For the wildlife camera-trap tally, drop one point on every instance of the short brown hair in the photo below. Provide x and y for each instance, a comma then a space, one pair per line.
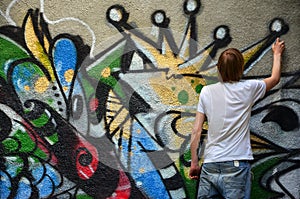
231, 65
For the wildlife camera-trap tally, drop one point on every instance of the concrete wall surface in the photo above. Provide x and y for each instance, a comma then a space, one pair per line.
98, 98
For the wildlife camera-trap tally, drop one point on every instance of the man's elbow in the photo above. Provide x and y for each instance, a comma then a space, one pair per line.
276, 80
272, 82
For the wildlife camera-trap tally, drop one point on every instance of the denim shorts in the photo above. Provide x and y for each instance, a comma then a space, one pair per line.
230, 180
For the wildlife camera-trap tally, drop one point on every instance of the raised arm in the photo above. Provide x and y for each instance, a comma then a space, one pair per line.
278, 48
195, 139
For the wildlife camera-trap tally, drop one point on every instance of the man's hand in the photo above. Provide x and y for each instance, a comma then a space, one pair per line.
195, 172
278, 47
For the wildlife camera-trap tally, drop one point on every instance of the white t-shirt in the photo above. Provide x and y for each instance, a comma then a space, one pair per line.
227, 107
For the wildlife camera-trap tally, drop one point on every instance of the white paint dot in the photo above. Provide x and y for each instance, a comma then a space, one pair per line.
139, 183
277, 26
191, 5
159, 18
115, 15
220, 34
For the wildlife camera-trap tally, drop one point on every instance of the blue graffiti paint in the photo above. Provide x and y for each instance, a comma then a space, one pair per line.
141, 168
46, 177
4, 185
64, 59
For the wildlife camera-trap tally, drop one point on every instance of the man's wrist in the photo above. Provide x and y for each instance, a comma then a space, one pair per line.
194, 164
277, 54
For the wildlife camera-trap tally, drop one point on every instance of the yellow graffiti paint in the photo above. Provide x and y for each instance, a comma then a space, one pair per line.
251, 52
37, 49
257, 143
121, 119
167, 96
142, 170
65, 88
69, 74
106, 72
26, 88
138, 131
41, 85
168, 90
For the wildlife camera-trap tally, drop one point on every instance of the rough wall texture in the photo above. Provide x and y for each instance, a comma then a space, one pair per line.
97, 98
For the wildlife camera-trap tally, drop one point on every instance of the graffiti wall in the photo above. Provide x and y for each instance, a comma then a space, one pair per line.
98, 98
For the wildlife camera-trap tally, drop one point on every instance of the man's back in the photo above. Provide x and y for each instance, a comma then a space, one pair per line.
228, 108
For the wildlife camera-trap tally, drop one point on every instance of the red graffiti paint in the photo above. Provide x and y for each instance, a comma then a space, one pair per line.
93, 104
124, 188
86, 159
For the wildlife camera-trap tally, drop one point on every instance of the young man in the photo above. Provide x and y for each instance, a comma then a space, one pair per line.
227, 106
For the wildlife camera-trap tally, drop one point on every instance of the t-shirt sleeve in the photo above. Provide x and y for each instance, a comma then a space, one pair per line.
259, 89
200, 107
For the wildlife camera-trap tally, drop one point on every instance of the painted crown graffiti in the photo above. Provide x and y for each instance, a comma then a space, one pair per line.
114, 124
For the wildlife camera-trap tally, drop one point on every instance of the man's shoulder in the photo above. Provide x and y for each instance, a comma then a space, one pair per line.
217, 84
211, 89
252, 82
